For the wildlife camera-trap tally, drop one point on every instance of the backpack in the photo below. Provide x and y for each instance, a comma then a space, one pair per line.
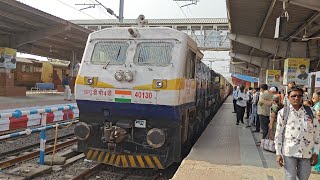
286, 113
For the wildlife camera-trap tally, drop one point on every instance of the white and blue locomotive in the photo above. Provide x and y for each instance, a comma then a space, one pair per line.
143, 94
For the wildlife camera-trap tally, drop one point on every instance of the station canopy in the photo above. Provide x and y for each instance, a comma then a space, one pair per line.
32, 31
252, 24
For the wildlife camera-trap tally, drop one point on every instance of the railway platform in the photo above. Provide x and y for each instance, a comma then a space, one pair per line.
226, 151
33, 100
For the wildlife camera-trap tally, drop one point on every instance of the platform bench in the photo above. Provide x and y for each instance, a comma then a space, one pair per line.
47, 87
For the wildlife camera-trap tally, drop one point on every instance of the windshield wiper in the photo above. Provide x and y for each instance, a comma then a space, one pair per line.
106, 65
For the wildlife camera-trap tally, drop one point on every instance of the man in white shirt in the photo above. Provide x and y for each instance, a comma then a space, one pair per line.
234, 94
242, 98
296, 134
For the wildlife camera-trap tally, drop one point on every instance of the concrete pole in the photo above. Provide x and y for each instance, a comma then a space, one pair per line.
121, 7
262, 76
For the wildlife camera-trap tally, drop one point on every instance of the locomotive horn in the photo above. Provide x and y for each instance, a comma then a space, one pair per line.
141, 17
141, 20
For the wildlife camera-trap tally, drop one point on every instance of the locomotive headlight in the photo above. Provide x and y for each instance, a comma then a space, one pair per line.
159, 83
156, 138
89, 81
118, 75
128, 76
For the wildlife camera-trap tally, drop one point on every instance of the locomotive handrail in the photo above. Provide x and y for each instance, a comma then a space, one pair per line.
18, 113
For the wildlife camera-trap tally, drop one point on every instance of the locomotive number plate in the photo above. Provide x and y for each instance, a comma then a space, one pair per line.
145, 97
140, 124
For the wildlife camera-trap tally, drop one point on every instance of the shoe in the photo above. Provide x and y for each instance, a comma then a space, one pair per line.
255, 131
248, 126
237, 123
242, 122
233, 112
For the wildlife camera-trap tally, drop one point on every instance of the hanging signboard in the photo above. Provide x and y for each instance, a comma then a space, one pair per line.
8, 58
273, 78
296, 69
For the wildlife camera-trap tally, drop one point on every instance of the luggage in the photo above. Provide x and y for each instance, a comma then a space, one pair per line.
268, 142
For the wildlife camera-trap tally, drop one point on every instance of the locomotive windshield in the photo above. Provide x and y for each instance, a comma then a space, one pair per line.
153, 53
109, 53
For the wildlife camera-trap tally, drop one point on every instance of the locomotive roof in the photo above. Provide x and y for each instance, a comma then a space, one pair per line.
145, 33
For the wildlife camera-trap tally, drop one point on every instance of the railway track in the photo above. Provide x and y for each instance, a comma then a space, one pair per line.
103, 171
12, 160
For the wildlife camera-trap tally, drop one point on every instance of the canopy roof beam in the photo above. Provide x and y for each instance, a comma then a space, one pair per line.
266, 19
33, 36
310, 4
255, 60
283, 49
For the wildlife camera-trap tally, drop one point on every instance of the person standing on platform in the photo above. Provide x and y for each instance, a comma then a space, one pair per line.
249, 103
305, 93
234, 94
296, 134
242, 98
264, 105
316, 101
254, 115
275, 107
285, 98
67, 90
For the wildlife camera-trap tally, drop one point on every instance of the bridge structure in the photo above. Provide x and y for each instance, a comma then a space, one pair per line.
209, 33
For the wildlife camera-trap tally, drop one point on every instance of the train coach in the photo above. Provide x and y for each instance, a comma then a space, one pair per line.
28, 72
143, 95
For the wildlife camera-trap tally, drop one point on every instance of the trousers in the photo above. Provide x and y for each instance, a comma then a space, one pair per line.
240, 113
296, 167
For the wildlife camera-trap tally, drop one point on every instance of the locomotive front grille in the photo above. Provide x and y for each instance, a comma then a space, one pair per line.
124, 160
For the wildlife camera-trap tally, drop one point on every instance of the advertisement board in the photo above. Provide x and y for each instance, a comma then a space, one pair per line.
8, 58
296, 69
273, 78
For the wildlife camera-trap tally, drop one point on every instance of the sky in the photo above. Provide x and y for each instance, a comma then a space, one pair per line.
152, 9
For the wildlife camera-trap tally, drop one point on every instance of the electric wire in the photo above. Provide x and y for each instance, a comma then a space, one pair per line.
78, 10
189, 9
187, 19
101, 9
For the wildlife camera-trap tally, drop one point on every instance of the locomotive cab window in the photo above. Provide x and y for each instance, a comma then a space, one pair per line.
114, 53
190, 65
154, 53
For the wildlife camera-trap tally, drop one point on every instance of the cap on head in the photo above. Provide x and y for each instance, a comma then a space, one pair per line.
273, 89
